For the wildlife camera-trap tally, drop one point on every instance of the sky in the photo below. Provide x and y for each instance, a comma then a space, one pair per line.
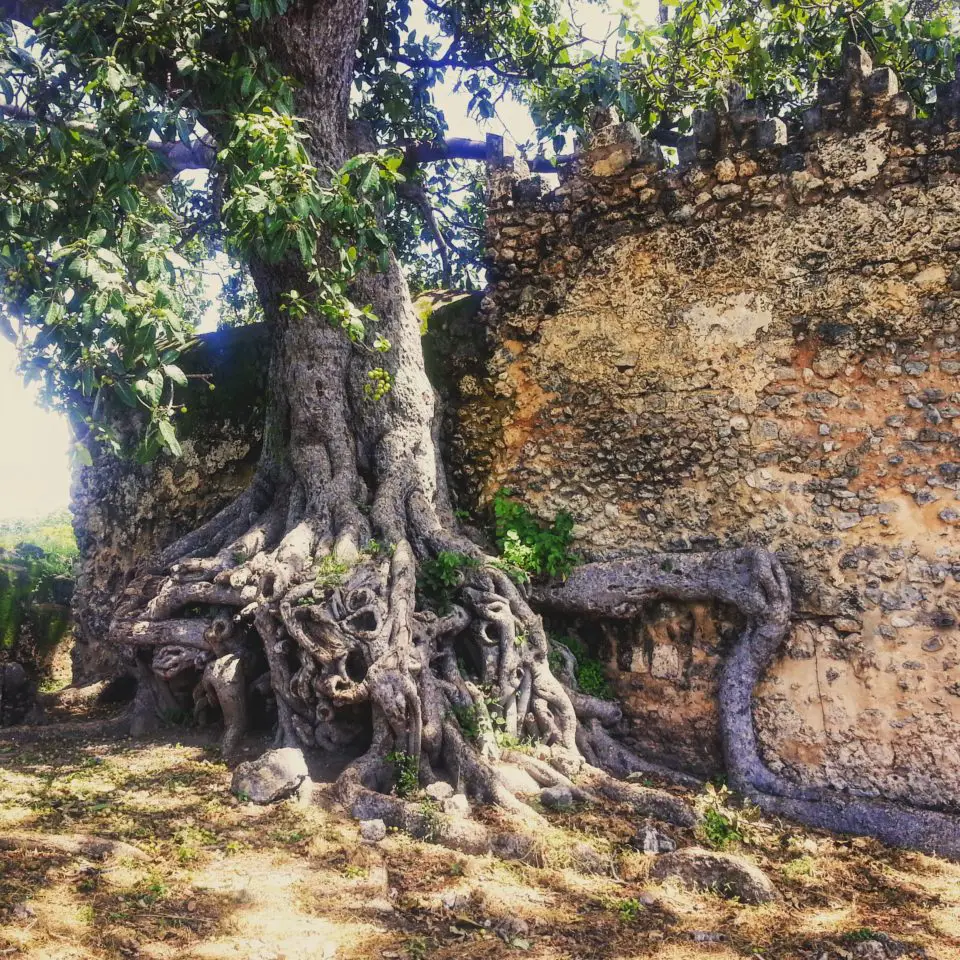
34, 442
34, 466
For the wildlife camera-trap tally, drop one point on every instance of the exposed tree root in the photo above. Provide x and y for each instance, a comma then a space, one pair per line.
67, 730
76, 845
332, 636
753, 582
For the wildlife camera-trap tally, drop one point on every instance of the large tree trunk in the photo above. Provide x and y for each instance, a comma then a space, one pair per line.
306, 585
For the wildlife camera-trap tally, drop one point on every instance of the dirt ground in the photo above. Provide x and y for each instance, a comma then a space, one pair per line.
225, 879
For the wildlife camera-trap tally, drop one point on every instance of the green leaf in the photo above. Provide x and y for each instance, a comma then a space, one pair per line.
126, 199
81, 455
371, 179
125, 393
175, 374
168, 437
150, 387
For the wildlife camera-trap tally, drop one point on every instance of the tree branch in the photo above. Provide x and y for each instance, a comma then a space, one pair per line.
177, 156
413, 191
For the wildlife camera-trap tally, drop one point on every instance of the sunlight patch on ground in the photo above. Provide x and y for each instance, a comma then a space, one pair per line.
225, 879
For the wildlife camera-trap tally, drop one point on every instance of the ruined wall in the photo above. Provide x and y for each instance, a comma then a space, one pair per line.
124, 512
756, 346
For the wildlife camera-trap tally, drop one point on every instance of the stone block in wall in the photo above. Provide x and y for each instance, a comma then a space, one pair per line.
615, 147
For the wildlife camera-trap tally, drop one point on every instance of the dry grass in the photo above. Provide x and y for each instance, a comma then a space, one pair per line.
230, 880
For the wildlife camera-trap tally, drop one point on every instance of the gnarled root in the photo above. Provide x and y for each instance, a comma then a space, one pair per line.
464, 693
452, 694
752, 581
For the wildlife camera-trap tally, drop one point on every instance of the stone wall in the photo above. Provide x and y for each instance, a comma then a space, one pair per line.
758, 345
124, 512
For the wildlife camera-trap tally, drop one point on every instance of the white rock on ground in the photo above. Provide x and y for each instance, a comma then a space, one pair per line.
274, 776
372, 831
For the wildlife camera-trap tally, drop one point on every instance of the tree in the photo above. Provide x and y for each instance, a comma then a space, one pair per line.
341, 575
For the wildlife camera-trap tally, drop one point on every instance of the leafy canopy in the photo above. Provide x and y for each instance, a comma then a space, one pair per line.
102, 249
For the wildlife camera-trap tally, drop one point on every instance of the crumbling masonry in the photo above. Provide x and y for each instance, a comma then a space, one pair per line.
758, 346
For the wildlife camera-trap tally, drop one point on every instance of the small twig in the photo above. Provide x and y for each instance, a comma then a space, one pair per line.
183, 918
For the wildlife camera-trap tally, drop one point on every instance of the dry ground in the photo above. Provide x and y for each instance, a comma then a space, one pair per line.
223, 879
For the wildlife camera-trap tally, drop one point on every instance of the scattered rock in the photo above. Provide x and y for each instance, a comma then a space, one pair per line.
439, 790
722, 873
649, 839
372, 831
21, 911
870, 950
455, 900
457, 806
556, 798
274, 776
510, 929
706, 936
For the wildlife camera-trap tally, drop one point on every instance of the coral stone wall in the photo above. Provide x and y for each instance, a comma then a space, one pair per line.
124, 512
759, 345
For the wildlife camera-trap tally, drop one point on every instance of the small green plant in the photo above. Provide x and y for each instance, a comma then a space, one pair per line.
353, 872
457, 868
417, 948
375, 549
723, 824
433, 819
590, 674
528, 545
331, 572
406, 773
860, 935
592, 679
507, 741
629, 910
439, 578
468, 720
718, 830
804, 866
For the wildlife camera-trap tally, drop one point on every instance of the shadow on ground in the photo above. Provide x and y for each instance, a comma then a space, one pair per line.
224, 879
